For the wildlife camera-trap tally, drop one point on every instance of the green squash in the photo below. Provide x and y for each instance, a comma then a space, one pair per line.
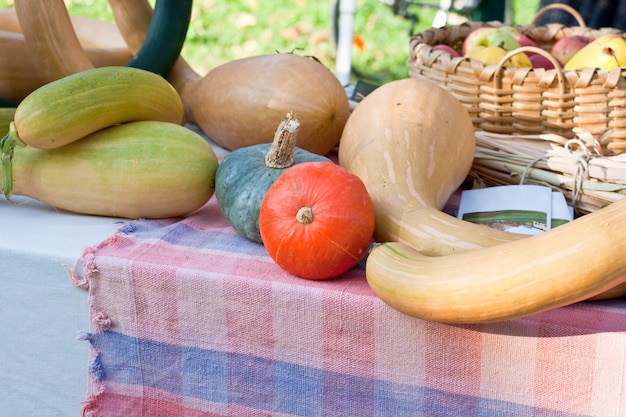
244, 176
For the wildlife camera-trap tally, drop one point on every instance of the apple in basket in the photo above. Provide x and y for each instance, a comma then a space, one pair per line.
489, 55
522, 39
446, 48
540, 61
566, 47
489, 36
606, 52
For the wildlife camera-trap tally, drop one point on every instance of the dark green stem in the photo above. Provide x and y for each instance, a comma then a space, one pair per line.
7, 145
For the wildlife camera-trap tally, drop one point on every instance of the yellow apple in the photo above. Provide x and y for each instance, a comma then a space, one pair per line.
488, 36
606, 52
493, 54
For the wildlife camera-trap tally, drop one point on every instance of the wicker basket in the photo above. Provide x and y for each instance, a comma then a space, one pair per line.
526, 101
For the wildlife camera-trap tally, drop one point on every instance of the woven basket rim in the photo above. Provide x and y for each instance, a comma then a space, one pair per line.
421, 44
509, 100
552, 30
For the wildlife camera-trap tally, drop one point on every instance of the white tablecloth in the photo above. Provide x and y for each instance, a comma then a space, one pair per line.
43, 367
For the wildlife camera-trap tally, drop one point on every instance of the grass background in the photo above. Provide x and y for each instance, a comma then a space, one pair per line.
223, 30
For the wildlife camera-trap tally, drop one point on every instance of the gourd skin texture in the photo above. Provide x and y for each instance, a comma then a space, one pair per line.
236, 103
144, 169
411, 157
412, 143
241, 182
570, 263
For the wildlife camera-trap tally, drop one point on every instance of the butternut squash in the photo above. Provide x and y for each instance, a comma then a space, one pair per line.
236, 113
570, 263
133, 18
49, 33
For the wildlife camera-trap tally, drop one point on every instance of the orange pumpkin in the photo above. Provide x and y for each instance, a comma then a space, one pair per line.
317, 220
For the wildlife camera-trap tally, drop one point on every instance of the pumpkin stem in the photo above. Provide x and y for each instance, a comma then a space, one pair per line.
305, 215
282, 153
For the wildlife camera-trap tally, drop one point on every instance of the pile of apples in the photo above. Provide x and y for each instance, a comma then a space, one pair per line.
575, 52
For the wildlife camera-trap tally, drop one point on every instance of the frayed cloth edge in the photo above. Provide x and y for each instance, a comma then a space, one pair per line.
84, 268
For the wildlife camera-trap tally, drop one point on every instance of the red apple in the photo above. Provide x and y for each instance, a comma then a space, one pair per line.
540, 61
446, 48
490, 55
566, 47
522, 39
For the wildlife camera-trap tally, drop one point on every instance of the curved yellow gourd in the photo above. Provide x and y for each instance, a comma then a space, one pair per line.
412, 144
68, 109
570, 263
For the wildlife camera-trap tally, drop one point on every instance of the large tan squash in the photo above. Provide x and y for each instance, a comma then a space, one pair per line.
412, 144
237, 104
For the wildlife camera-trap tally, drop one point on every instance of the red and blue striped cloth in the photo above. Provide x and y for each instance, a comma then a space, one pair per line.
190, 319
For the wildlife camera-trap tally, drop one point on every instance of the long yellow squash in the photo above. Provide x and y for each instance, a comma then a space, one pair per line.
412, 143
565, 265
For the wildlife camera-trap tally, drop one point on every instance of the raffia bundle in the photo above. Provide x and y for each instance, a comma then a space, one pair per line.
575, 166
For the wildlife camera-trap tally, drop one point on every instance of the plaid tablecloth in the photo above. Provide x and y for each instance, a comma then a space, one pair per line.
189, 319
